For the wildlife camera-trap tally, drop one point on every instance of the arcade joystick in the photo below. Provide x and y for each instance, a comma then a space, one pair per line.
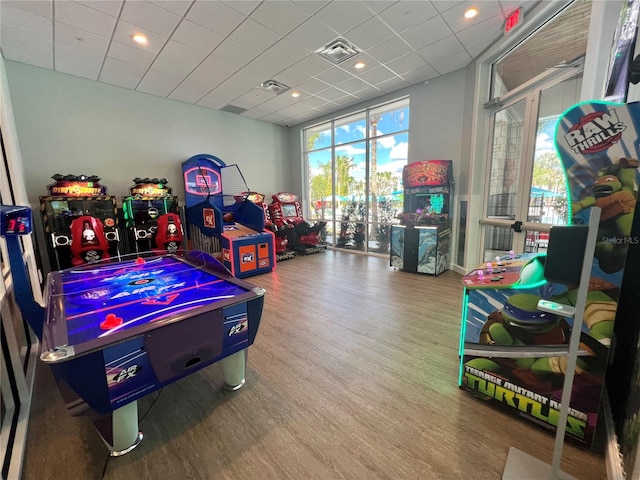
111, 321
140, 261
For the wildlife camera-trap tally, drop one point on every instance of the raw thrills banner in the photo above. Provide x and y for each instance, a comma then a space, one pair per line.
509, 358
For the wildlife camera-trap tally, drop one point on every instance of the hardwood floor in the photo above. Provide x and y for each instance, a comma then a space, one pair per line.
353, 375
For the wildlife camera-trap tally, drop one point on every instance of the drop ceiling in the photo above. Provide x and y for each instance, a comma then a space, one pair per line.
216, 54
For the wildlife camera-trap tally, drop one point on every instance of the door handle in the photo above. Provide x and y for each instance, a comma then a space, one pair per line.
516, 226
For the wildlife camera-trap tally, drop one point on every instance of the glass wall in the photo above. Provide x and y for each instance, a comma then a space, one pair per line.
354, 170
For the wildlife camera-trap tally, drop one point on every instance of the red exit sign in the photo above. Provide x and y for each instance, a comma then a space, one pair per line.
513, 20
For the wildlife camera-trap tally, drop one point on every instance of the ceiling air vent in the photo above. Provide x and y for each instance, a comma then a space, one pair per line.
233, 109
274, 87
338, 51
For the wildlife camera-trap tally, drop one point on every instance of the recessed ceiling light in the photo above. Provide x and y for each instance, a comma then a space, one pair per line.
360, 65
472, 12
295, 94
140, 38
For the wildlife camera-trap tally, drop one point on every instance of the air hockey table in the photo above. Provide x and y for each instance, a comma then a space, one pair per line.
117, 331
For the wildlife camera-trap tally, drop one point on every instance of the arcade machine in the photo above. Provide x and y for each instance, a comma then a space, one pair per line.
282, 242
504, 335
111, 338
149, 201
422, 242
217, 204
74, 197
286, 214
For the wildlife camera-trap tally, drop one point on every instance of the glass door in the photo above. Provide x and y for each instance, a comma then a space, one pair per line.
526, 182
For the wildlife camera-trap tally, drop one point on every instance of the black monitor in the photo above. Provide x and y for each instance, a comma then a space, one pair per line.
565, 254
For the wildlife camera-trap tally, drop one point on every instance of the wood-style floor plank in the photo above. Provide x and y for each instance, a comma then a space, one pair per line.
353, 375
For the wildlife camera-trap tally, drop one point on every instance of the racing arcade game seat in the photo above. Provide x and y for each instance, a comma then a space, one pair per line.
286, 214
283, 252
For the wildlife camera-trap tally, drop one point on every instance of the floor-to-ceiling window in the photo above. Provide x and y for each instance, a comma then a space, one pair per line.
354, 175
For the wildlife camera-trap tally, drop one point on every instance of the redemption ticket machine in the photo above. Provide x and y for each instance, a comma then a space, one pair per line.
422, 242
79, 198
149, 204
217, 204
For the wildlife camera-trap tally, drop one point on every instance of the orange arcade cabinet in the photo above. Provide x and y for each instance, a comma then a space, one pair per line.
283, 252
217, 204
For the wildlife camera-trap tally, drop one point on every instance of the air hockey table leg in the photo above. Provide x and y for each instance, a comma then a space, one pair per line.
119, 430
233, 368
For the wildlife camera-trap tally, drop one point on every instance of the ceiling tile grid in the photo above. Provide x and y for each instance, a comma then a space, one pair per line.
216, 54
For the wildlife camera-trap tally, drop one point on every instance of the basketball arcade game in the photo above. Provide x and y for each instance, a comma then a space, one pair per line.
217, 204
93, 236
151, 216
422, 243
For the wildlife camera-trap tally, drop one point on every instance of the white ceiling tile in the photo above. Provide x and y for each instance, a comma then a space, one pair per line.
263, 68
231, 89
368, 93
44, 8
312, 101
243, 6
292, 76
396, 83
253, 98
195, 36
125, 31
79, 66
486, 9
130, 54
426, 33
281, 17
312, 35
406, 63
311, 6
343, 16
123, 74
252, 114
353, 85
158, 83
255, 36
378, 6
377, 75
451, 63
177, 59
369, 34
313, 65
314, 86
37, 55
332, 94
72, 44
110, 7
234, 53
476, 50
85, 18
404, 15
179, 7
389, 50
25, 21
334, 75
286, 51
12, 38
212, 102
215, 16
444, 5
150, 17
489, 30
441, 49
191, 90
420, 75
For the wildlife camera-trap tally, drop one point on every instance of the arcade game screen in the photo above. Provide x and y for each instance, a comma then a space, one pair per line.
60, 213
289, 210
146, 211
